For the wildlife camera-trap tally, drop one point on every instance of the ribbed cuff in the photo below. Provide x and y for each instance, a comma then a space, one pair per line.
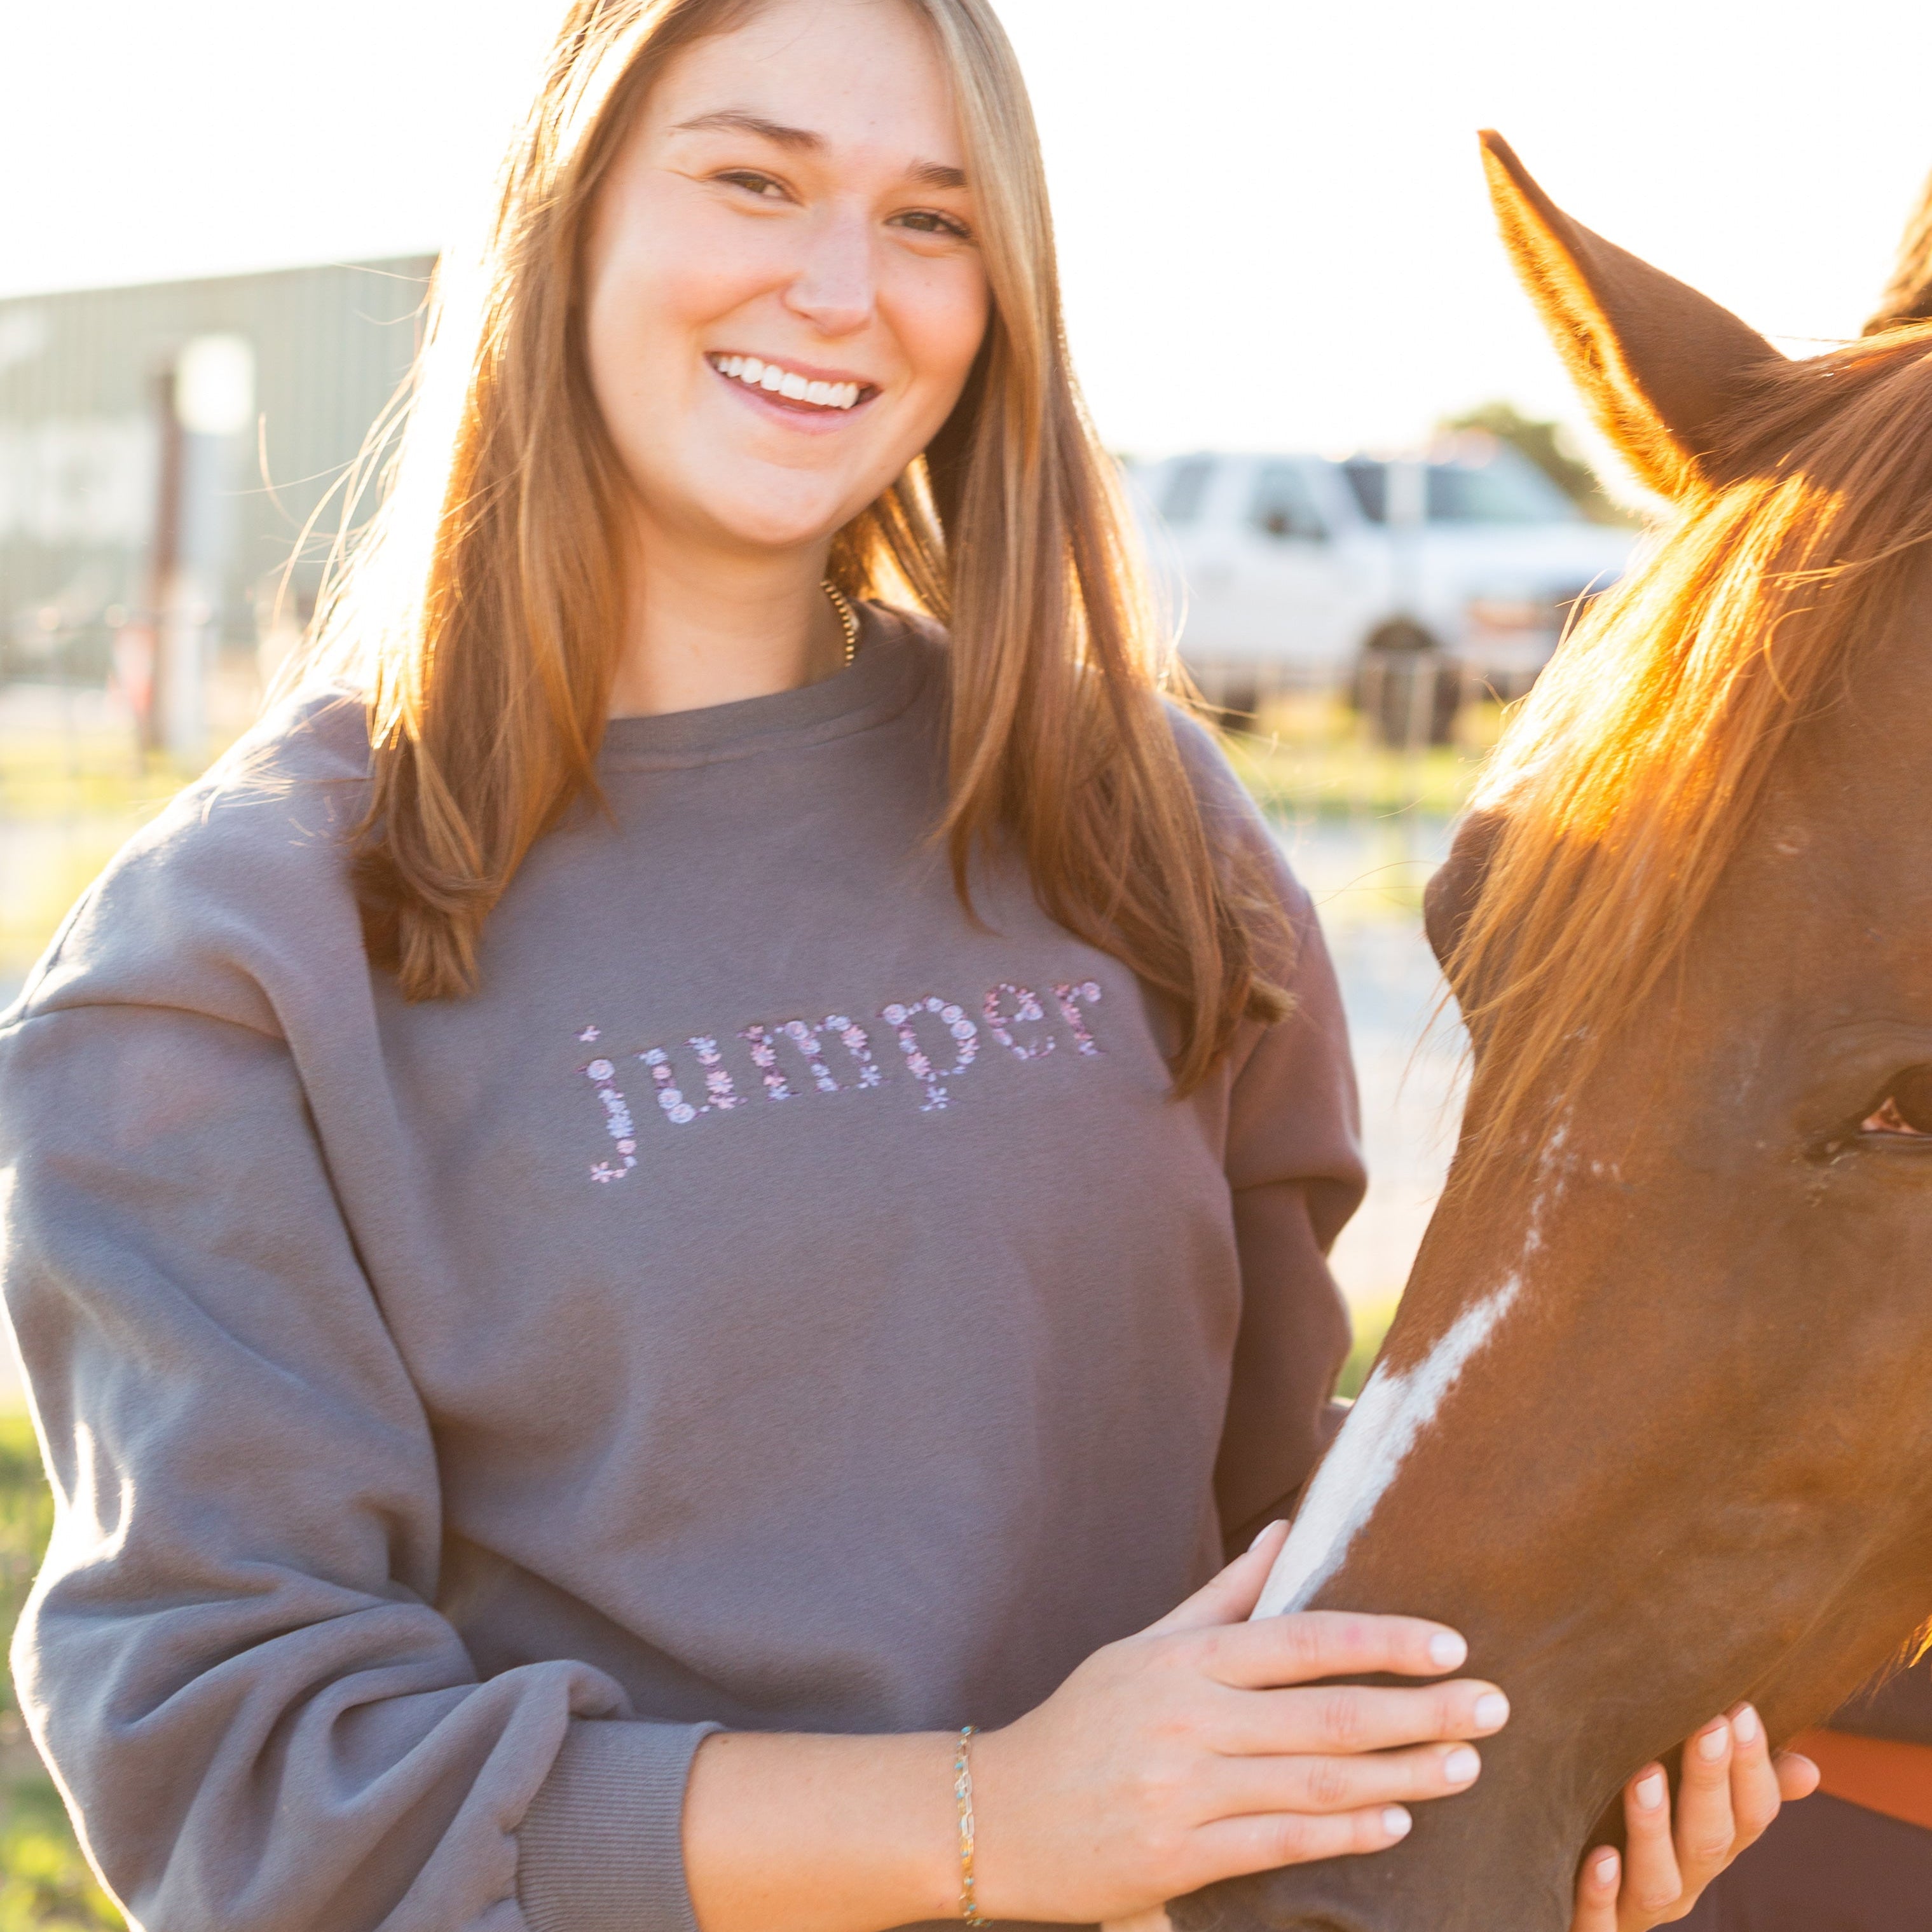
602, 1847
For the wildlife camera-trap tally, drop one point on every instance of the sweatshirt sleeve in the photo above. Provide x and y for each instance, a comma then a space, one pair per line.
232, 1657
1294, 1173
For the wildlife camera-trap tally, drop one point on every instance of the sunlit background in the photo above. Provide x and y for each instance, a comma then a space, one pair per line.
1275, 238
1271, 216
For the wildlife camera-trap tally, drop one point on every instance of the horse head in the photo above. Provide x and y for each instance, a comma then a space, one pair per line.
1654, 1425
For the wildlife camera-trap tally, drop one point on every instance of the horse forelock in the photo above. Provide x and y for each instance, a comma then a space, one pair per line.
1624, 785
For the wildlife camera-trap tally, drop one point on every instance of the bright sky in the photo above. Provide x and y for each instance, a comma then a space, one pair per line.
1272, 218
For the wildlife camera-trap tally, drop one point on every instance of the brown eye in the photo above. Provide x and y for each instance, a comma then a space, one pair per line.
763, 186
930, 221
1905, 1112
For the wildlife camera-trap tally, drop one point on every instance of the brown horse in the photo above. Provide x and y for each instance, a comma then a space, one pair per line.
1654, 1425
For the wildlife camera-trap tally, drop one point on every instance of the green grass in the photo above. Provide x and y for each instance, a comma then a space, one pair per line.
68, 803
26, 1521
1311, 756
45, 1884
46, 881
1372, 1321
43, 776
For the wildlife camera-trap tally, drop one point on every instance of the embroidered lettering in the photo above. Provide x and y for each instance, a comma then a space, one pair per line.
1026, 1011
676, 1107
1068, 997
805, 1039
1007, 1009
965, 1035
764, 1056
853, 1040
717, 1080
616, 1116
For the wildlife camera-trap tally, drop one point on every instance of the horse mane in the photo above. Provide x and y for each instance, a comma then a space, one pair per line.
1908, 295
1624, 782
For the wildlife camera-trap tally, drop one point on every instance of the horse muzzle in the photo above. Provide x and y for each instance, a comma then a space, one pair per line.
1478, 1863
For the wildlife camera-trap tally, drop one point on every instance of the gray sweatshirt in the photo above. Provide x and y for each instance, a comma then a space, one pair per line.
774, 1301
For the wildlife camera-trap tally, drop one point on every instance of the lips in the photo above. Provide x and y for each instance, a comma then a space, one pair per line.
795, 386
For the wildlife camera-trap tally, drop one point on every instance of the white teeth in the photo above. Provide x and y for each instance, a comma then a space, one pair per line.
776, 380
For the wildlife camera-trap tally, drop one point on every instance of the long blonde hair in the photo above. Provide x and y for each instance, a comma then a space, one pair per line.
480, 611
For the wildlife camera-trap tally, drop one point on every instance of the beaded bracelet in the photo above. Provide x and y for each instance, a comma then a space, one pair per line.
962, 1792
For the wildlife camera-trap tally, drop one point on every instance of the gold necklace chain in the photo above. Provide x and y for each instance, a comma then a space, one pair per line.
848, 618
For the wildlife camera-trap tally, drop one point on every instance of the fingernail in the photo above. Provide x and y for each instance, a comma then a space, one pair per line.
1447, 1650
1604, 1871
1492, 1710
1461, 1765
1262, 1537
1711, 1745
1396, 1821
1650, 1790
1745, 1725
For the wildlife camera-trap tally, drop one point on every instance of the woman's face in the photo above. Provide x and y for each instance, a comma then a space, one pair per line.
783, 296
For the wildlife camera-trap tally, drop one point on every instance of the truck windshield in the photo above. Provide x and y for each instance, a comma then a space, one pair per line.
1283, 506
1181, 503
1497, 492
1370, 481
1508, 489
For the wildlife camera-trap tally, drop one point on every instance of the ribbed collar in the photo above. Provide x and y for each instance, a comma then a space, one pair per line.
888, 673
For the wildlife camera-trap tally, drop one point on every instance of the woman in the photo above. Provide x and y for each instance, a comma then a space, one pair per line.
622, 1233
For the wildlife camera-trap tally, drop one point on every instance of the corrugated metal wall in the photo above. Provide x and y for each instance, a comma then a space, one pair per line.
80, 440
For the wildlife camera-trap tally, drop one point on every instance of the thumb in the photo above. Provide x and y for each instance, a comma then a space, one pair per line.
1231, 1597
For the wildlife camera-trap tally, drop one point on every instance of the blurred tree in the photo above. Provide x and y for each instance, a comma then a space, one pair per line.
1545, 446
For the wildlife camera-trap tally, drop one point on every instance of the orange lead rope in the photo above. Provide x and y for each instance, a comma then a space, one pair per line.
1881, 1774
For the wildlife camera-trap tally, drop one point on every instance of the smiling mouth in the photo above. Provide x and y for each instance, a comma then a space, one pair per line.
789, 385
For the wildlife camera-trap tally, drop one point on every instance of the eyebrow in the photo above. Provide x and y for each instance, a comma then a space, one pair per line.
803, 140
736, 120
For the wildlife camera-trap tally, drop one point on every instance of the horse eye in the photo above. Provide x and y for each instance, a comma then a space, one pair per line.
1905, 1112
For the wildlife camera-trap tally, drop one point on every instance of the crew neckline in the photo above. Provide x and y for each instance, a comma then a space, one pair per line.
881, 682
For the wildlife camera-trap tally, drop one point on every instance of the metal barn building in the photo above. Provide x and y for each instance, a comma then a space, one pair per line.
161, 448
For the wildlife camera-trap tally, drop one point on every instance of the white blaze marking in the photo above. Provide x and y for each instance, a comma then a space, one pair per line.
1392, 1412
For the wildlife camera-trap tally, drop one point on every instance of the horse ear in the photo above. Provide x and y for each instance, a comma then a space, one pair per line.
1908, 295
1660, 365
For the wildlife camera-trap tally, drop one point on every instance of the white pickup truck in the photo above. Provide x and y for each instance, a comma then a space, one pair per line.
1292, 572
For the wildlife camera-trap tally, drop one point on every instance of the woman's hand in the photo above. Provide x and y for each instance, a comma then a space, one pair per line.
1177, 1757
1729, 1792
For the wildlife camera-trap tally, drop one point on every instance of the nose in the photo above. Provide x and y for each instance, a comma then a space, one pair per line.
835, 289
